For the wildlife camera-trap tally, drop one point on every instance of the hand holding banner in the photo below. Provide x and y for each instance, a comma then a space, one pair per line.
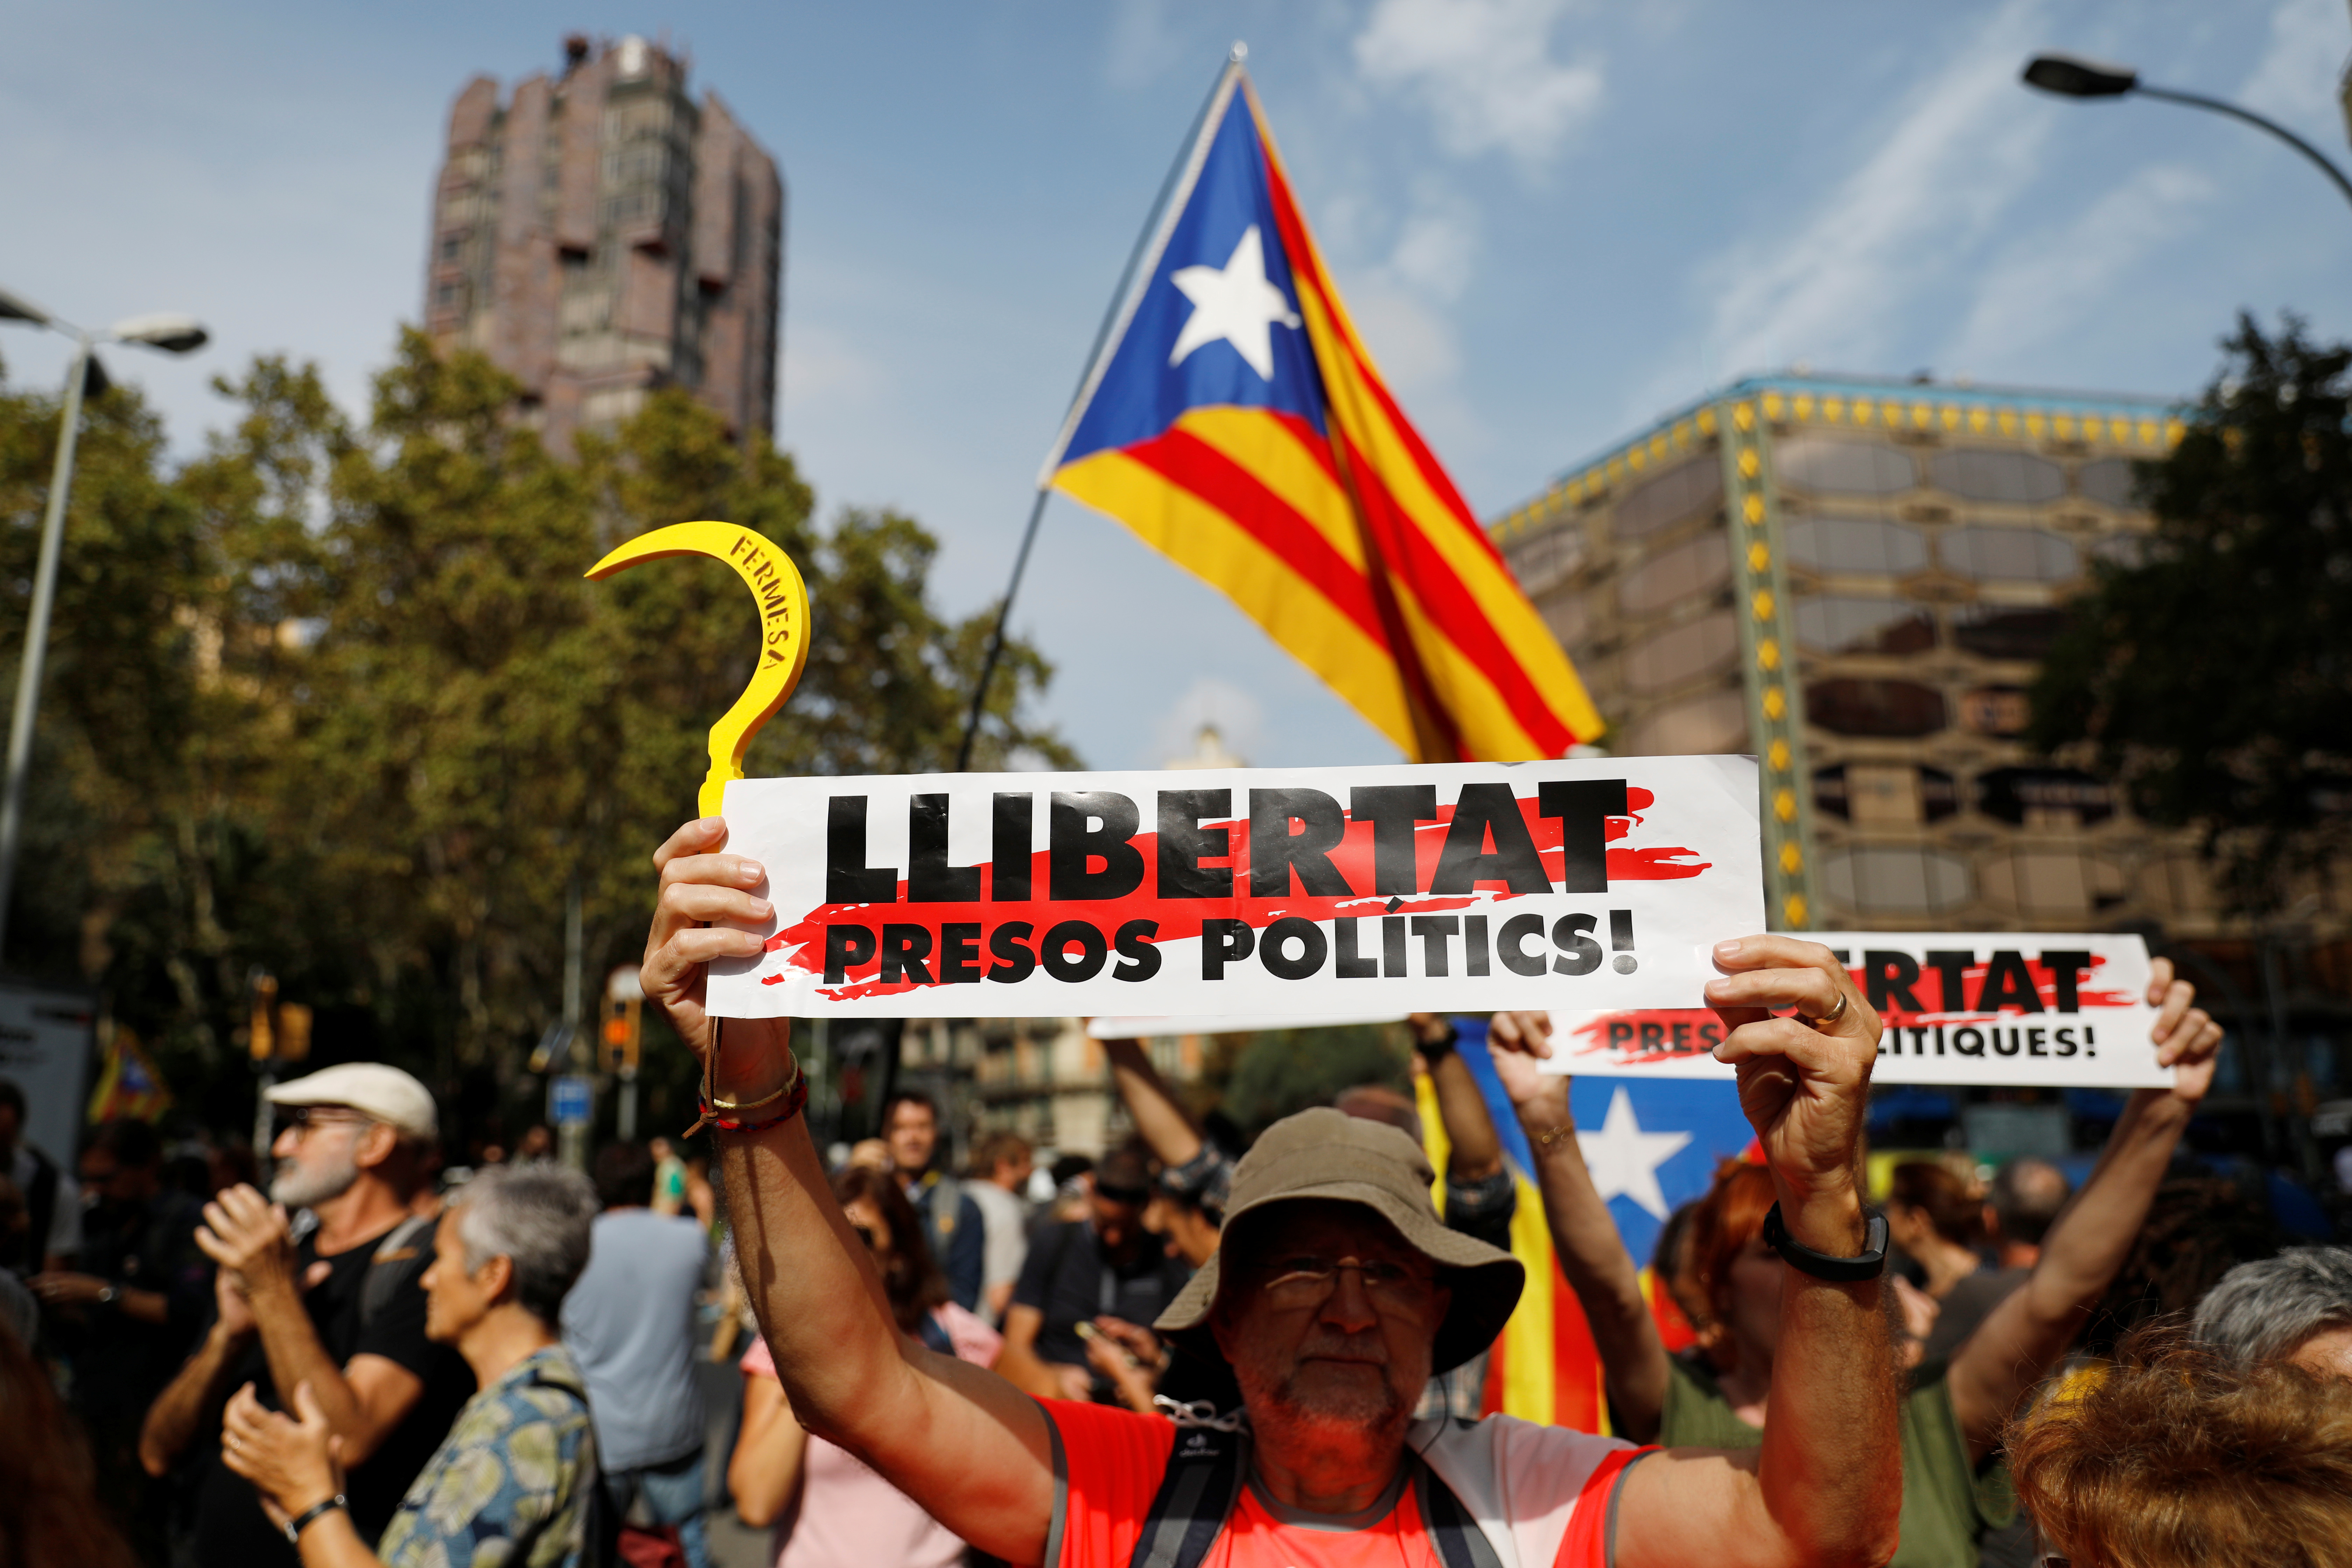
2009, 1008
1285, 892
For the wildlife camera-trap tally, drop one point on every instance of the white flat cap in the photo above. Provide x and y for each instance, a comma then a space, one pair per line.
385, 1094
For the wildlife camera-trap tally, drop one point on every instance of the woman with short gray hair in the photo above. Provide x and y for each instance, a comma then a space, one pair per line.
2296, 1307
511, 1482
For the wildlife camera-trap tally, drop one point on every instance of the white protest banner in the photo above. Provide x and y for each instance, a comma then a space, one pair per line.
1995, 1008
1289, 892
1143, 1028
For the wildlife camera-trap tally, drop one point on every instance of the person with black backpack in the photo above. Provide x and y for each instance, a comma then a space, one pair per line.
336, 1303
1334, 1294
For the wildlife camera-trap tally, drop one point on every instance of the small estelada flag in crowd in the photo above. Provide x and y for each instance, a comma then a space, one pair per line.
1232, 418
128, 1083
1651, 1147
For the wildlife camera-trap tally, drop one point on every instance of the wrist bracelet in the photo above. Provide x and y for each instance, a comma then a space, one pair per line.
303, 1520
728, 1116
1868, 1264
1434, 1052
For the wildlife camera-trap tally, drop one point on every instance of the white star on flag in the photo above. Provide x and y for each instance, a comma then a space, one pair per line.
1234, 302
1623, 1160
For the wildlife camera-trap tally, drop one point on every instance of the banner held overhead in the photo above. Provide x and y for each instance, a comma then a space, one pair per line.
1299, 892
2012, 1009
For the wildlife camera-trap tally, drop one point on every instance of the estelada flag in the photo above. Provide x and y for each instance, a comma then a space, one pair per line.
1652, 1147
1233, 420
128, 1083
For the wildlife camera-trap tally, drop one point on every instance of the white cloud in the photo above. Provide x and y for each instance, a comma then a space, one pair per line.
1837, 290
1403, 303
2040, 287
1237, 717
1434, 252
1414, 346
2295, 80
1485, 69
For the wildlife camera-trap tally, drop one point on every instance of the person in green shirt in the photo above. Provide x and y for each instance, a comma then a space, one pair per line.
1954, 1413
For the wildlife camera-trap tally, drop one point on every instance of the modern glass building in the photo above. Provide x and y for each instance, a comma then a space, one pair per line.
1853, 580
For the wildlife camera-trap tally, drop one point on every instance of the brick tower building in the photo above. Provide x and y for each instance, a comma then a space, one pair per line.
601, 234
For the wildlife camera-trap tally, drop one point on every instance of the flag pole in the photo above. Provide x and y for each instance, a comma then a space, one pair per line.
1119, 299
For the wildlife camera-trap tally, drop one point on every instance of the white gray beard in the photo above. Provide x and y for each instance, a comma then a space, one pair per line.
301, 1188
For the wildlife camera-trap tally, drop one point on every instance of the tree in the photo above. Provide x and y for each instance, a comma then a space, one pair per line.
1281, 1071
337, 703
2212, 678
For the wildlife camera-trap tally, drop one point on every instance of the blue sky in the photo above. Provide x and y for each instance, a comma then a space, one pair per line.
1553, 220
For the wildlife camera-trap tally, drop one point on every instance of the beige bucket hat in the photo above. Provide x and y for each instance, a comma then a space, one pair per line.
1327, 1153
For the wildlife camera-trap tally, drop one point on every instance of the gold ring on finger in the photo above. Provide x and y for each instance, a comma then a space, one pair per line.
1828, 1020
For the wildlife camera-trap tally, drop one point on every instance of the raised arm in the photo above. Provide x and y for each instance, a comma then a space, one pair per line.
1826, 1486
1473, 1152
1161, 1121
192, 1401
2020, 1340
248, 1237
1591, 1253
770, 1453
963, 1441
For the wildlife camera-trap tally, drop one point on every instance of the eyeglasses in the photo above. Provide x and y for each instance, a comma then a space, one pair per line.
302, 1119
1308, 1281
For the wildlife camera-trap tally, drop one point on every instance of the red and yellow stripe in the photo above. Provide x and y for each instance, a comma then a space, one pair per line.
1355, 551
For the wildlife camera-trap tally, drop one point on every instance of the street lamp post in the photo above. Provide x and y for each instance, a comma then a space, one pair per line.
173, 334
2071, 76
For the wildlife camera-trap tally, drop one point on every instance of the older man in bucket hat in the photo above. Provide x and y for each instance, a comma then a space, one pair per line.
1334, 1294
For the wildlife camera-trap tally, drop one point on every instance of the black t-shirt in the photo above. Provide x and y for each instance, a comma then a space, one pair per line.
231, 1529
122, 1363
1067, 1278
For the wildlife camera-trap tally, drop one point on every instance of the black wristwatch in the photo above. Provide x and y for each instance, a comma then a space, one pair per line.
1432, 1051
303, 1520
1868, 1265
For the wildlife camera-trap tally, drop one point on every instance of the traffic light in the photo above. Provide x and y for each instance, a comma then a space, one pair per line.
622, 1032
264, 1035
293, 1032
280, 1031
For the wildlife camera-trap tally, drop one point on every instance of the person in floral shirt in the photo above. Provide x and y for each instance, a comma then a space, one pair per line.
510, 1487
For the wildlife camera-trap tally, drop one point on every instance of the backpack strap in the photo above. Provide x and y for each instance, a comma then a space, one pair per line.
946, 1198
1460, 1542
392, 1263
1197, 1491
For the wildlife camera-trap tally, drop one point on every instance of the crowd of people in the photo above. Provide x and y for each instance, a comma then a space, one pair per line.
1182, 1352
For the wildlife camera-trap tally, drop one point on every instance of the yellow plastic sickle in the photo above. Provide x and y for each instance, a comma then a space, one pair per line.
776, 583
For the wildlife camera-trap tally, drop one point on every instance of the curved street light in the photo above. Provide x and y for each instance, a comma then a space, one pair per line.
166, 330
2072, 76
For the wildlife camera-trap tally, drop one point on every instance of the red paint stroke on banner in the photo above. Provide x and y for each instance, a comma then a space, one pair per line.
803, 942
1969, 1007
1640, 1037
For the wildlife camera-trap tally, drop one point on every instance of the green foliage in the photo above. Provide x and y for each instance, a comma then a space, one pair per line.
2213, 678
337, 703
1280, 1072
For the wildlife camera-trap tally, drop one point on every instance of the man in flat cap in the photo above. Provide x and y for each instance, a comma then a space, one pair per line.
1334, 1294
336, 1303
